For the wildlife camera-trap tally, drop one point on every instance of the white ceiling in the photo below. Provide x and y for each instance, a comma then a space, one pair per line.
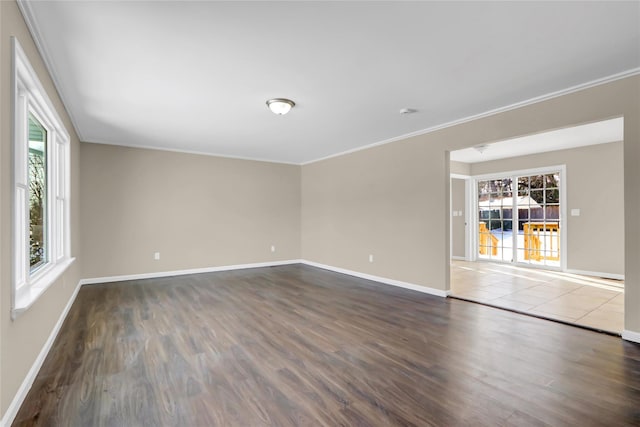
578, 136
195, 76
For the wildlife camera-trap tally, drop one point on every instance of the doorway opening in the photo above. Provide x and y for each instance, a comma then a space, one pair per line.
542, 232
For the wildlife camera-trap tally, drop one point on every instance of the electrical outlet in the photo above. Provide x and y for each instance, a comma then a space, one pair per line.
273, 248
156, 256
370, 258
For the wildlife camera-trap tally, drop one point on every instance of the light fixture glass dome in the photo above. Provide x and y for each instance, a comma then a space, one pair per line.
280, 106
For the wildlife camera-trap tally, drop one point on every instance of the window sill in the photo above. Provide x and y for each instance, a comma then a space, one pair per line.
26, 300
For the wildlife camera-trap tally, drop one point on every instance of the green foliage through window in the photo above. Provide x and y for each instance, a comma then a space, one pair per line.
37, 193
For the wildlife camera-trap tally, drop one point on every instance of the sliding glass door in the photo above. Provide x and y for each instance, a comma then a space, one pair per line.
519, 218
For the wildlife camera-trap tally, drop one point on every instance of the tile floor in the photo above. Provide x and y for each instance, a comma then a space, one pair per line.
584, 300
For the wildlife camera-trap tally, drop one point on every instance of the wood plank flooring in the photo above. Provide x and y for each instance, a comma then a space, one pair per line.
300, 346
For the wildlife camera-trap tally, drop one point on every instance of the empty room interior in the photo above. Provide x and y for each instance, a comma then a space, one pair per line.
319, 213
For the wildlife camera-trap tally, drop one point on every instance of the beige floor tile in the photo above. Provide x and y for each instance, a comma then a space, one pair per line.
479, 295
608, 321
513, 305
543, 274
595, 292
619, 299
505, 282
522, 297
553, 316
582, 302
534, 274
518, 279
586, 280
563, 284
562, 311
511, 287
484, 283
548, 292
610, 307
577, 299
462, 284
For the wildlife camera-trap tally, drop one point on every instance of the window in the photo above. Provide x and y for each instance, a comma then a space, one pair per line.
41, 251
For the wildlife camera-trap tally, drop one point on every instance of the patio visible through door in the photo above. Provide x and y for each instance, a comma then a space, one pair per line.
519, 218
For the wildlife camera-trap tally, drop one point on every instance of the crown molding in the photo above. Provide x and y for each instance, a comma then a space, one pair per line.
30, 20
535, 100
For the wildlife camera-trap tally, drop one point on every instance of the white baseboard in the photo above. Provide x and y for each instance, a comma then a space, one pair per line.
459, 258
595, 274
384, 280
21, 394
631, 336
123, 278
393, 282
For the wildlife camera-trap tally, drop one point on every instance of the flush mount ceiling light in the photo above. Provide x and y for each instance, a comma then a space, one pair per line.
280, 106
481, 148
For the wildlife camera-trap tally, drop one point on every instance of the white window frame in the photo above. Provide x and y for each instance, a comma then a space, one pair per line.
30, 97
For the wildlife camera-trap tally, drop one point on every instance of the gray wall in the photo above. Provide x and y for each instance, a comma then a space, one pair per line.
460, 168
595, 185
197, 211
374, 202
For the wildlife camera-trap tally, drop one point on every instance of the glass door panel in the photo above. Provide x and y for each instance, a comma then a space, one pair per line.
495, 219
538, 241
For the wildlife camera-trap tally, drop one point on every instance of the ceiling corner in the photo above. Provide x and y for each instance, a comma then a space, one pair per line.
30, 20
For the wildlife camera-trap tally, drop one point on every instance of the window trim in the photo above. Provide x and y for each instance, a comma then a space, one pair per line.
29, 97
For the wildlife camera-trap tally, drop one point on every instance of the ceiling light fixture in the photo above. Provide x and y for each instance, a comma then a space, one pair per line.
481, 148
280, 106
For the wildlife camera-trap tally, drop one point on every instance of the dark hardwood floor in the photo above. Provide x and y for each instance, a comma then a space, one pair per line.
299, 346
